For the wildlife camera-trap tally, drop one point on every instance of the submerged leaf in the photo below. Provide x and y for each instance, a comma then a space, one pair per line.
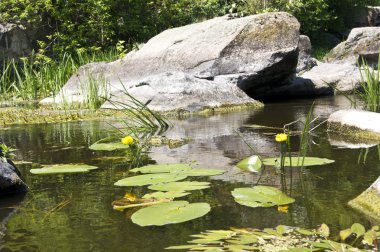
261, 196
64, 168
180, 186
203, 172
251, 164
344, 234
165, 195
163, 168
108, 146
150, 179
308, 161
170, 213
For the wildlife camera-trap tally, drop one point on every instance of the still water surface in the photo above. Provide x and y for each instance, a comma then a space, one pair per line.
74, 212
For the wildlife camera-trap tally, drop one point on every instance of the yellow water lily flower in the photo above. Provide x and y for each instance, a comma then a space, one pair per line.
283, 208
281, 137
128, 140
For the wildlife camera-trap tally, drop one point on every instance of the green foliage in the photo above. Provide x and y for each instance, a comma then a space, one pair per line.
40, 76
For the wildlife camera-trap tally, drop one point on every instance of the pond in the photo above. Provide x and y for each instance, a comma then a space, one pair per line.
73, 212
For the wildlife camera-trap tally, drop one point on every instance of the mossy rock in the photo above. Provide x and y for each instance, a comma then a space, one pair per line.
368, 202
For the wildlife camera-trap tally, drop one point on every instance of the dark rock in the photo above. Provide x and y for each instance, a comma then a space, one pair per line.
305, 60
15, 41
10, 179
374, 15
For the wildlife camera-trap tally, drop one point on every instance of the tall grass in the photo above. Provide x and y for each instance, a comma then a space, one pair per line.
370, 86
33, 78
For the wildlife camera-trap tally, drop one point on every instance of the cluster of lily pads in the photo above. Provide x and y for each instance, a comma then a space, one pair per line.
283, 238
161, 208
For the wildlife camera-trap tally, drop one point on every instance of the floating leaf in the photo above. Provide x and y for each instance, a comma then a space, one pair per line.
324, 230
251, 164
358, 229
308, 161
108, 146
163, 168
170, 213
121, 205
369, 237
191, 247
63, 168
150, 179
180, 186
261, 196
165, 195
203, 172
305, 231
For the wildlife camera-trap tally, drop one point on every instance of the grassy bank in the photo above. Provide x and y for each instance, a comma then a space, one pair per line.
38, 76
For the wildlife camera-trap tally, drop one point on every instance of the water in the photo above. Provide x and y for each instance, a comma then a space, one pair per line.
74, 212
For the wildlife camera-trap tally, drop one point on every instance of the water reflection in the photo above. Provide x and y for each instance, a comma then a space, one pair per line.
87, 221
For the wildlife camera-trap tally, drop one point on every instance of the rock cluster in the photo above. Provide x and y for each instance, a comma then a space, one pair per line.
208, 64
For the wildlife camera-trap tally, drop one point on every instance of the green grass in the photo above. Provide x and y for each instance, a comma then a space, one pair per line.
370, 86
38, 77
319, 52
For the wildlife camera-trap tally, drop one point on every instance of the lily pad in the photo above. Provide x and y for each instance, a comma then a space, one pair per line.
108, 146
308, 161
150, 179
180, 186
251, 164
170, 213
165, 195
203, 172
63, 168
261, 196
162, 168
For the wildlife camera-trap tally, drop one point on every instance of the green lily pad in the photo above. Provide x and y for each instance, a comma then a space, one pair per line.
261, 196
150, 179
180, 186
162, 168
308, 161
203, 172
108, 146
170, 213
251, 164
165, 195
63, 168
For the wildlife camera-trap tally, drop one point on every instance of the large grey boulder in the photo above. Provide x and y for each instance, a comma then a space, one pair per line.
10, 179
14, 41
200, 65
362, 42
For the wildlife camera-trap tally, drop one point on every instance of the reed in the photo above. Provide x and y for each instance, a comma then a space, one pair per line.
37, 77
370, 86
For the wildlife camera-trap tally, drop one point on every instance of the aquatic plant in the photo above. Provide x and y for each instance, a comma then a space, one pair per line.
283, 238
261, 196
63, 168
370, 86
170, 213
6, 152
